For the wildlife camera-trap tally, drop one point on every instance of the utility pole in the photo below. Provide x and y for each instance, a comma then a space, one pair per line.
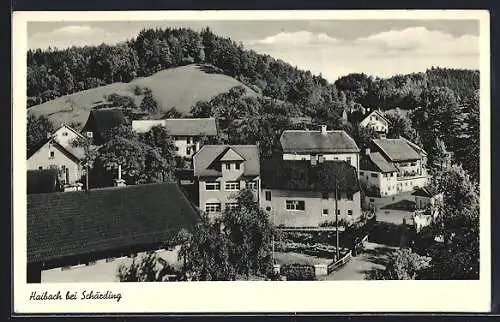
336, 221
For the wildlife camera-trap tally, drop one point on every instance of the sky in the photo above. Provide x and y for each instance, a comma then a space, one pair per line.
332, 48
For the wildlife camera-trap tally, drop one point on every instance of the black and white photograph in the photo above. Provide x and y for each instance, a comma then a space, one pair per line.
252, 150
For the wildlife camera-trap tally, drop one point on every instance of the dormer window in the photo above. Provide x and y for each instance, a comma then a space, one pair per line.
228, 166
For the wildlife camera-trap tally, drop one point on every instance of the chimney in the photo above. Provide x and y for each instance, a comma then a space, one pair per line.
119, 182
323, 129
367, 151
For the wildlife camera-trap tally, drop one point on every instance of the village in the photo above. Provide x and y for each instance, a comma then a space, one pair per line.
338, 209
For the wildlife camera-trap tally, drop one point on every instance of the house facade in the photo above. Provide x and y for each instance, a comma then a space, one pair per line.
187, 133
85, 235
302, 194
379, 175
221, 171
376, 121
319, 146
409, 161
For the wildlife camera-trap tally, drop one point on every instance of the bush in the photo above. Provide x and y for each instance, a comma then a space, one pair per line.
298, 272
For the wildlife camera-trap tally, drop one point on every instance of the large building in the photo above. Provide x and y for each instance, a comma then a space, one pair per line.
320, 145
58, 152
392, 166
187, 133
376, 121
81, 236
298, 193
222, 171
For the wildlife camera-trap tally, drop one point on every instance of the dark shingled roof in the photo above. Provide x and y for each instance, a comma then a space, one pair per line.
302, 175
376, 162
180, 127
65, 224
205, 160
101, 121
396, 149
316, 142
425, 192
42, 181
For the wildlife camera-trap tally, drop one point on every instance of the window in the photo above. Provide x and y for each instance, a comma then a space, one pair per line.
338, 212
252, 185
268, 195
349, 196
348, 159
188, 151
176, 148
89, 134
232, 185
295, 205
231, 205
325, 212
324, 195
51, 154
40, 168
374, 175
335, 158
349, 212
212, 185
228, 166
268, 208
65, 134
361, 173
212, 207
389, 188
188, 140
237, 166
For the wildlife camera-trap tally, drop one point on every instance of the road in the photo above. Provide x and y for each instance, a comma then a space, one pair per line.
373, 257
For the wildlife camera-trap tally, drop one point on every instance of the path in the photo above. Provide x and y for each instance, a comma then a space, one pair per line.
374, 256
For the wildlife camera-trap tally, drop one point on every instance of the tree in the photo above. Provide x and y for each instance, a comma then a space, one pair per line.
148, 268
206, 253
403, 264
159, 138
149, 103
400, 125
37, 130
250, 234
457, 256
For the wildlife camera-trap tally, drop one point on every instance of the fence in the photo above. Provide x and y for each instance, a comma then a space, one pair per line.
341, 262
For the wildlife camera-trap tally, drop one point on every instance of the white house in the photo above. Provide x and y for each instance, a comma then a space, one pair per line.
377, 121
378, 174
186, 132
57, 152
302, 194
222, 171
321, 145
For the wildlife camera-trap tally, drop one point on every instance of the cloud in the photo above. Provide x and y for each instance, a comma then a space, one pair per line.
420, 41
73, 35
298, 38
381, 54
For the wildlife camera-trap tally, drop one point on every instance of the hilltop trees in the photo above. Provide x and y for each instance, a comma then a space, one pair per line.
37, 130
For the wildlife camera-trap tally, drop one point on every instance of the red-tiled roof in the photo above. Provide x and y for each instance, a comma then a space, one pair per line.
67, 224
180, 127
396, 149
376, 162
301, 141
205, 160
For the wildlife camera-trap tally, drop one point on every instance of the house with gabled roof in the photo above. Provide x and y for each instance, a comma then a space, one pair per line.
221, 171
378, 174
377, 121
100, 122
58, 152
83, 236
187, 132
408, 158
302, 194
323, 145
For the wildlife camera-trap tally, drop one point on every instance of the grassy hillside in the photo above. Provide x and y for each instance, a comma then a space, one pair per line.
179, 87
